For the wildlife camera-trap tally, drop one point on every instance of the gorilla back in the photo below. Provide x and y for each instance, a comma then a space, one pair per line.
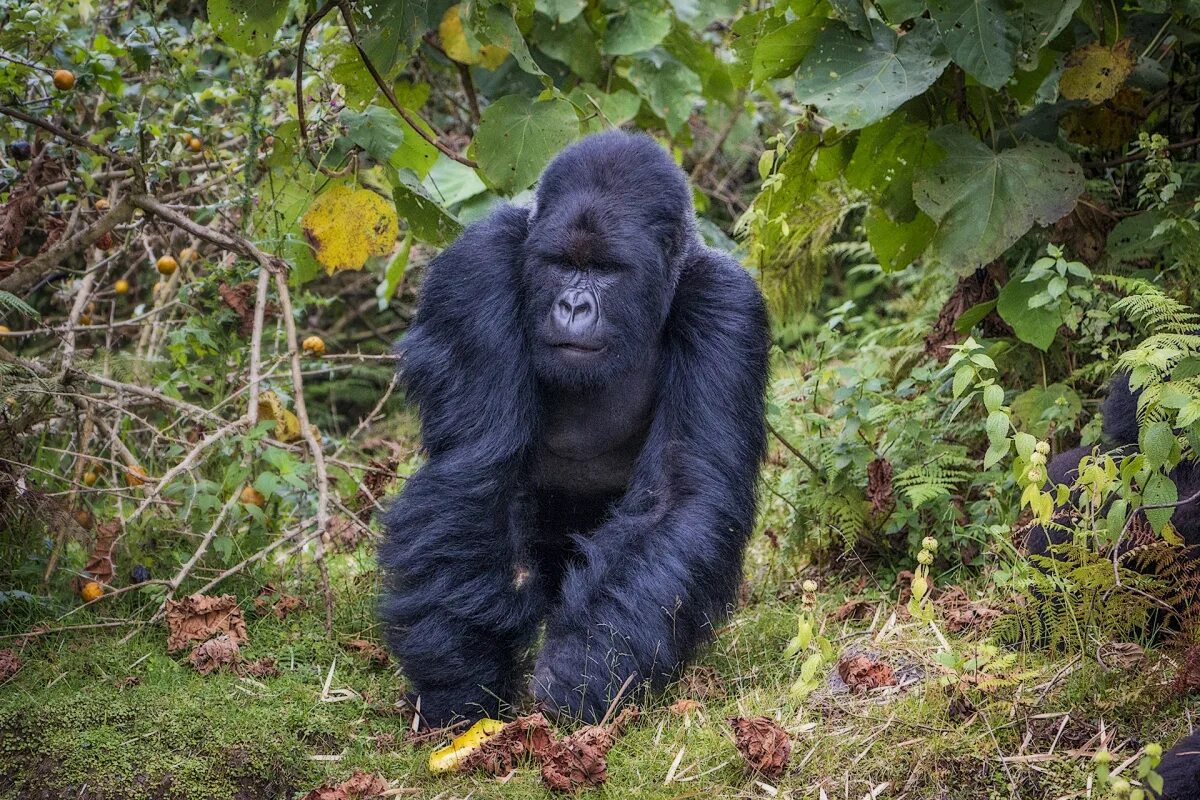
591, 383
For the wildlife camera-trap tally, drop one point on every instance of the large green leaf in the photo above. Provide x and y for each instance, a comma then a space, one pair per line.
671, 89
573, 43
641, 25
495, 25
518, 136
560, 10
715, 78
247, 25
781, 50
896, 244
984, 201
391, 29
886, 158
1037, 326
606, 109
377, 130
854, 82
1039, 22
980, 37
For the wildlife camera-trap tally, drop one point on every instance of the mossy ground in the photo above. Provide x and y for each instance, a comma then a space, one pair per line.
73, 724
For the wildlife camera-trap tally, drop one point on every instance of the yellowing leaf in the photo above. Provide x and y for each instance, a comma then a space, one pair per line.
345, 225
287, 426
450, 756
1095, 73
454, 42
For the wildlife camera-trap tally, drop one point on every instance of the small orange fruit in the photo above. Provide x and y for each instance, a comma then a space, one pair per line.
135, 475
101, 204
187, 255
5, 329
314, 346
253, 497
84, 518
166, 265
64, 80
121, 286
85, 319
89, 478
195, 144
91, 591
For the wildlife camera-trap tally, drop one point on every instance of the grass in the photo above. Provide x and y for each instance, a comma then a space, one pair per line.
103, 714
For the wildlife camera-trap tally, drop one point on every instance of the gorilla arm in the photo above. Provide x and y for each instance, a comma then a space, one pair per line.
665, 567
453, 612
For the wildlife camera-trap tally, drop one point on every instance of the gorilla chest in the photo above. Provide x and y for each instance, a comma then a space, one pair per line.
591, 440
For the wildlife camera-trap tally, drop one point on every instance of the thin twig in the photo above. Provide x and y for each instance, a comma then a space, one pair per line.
796, 452
309, 23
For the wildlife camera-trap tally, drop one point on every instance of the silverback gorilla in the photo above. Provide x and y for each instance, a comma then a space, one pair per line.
591, 381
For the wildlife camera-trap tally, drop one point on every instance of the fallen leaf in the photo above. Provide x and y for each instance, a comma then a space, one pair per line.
862, 674
100, 564
240, 298
344, 533
379, 475
200, 617
281, 606
367, 649
10, 664
880, 492
359, 786
127, 682
454, 754
961, 613
345, 225
579, 760
763, 745
855, 609
685, 706
215, 654
1125, 656
264, 667
702, 683
518, 742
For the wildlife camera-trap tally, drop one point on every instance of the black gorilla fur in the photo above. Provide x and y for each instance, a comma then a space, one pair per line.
591, 381
1180, 768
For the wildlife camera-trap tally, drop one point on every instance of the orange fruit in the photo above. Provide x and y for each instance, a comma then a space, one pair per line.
121, 286
101, 204
195, 144
85, 319
314, 346
166, 265
64, 80
91, 591
5, 329
253, 497
135, 475
187, 254
89, 478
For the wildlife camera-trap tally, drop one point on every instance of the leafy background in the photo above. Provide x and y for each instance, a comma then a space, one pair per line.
966, 215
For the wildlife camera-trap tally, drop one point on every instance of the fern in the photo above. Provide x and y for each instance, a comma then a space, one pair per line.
935, 479
10, 302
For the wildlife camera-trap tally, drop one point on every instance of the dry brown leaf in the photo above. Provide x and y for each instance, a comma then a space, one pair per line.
1187, 679
379, 475
369, 650
961, 613
10, 664
880, 492
685, 706
200, 617
281, 606
24, 201
862, 674
100, 564
240, 298
215, 654
702, 683
359, 786
579, 760
344, 533
855, 609
763, 745
981, 286
264, 667
518, 742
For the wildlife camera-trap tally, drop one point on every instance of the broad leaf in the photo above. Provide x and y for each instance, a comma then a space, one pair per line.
854, 82
573, 43
607, 110
979, 36
560, 10
639, 27
247, 25
1037, 326
426, 219
1039, 23
780, 51
391, 29
671, 89
518, 136
983, 201
345, 226
897, 244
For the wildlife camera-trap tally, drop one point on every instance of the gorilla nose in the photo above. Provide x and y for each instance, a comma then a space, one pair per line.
575, 311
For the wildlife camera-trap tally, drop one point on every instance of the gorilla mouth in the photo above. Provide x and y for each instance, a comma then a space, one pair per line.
579, 349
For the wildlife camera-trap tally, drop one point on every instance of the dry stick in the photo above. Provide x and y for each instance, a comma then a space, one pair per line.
794, 450
174, 584
81, 301
312, 20
365, 421
74, 139
29, 274
256, 557
412, 119
289, 326
260, 312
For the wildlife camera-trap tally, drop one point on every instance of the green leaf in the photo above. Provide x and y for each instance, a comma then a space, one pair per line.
896, 244
610, 110
898, 11
394, 273
779, 52
962, 379
1042, 406
377, 130
247, 25
993, 397
715, 78
641, 25
1037, 326
979, 36
573, 43
854, 82
518, 136
852, 13
997, 427
1158, 442
451, 183
1039, 23
495, 25
1159, 490
391, 29
560, 10
886, 158
426, 219
973, 316
983, 201
671, 89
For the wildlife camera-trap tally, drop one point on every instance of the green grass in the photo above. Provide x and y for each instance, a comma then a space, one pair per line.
73, 724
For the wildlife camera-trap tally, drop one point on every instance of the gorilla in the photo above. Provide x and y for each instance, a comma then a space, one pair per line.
591, 383
1180, 767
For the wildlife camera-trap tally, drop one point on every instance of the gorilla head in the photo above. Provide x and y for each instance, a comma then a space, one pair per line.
603, 257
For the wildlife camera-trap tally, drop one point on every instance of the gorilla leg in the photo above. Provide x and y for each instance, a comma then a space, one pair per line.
1180, 770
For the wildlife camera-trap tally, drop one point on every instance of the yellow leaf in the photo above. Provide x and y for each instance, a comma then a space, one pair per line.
1095, 73
287, 425
454, 42
452, 755
346, 225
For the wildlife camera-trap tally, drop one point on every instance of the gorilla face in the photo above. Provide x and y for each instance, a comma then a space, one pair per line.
601, 258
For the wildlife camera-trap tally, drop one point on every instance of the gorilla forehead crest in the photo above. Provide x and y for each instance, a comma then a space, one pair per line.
611, 181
